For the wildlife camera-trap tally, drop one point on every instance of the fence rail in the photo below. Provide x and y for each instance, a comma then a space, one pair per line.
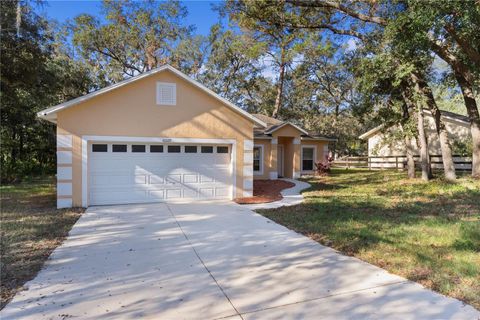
398, 162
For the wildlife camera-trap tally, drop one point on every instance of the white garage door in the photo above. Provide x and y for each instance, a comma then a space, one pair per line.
136, 172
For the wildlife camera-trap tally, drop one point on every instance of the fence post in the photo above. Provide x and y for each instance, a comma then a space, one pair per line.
396, 162
369, 163
348, 164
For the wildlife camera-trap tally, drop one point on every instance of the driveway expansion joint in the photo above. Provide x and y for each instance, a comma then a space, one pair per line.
203, 264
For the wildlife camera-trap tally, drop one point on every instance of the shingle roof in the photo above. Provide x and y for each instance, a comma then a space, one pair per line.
273, 123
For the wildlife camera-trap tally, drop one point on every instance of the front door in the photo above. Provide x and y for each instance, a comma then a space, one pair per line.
280, 160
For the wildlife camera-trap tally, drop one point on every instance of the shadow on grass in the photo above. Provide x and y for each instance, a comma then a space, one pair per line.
427, 232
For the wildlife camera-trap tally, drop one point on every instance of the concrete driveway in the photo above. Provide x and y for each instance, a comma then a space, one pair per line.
213, 261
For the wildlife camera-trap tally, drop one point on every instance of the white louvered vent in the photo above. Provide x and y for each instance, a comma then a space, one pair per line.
166, 94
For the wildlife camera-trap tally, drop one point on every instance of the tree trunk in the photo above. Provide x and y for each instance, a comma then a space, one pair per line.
474, 116
281, 78
410, 159
422, 139
409, 142
448, 165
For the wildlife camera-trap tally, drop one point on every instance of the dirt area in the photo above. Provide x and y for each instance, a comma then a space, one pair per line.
265, 191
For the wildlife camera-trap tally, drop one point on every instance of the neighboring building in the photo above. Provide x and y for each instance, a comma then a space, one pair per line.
162, 136
382, 141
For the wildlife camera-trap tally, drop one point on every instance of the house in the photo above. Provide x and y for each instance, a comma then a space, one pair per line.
162, 136
282, 149
383, 141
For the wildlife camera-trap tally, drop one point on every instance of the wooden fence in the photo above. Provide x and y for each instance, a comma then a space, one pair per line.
398, 162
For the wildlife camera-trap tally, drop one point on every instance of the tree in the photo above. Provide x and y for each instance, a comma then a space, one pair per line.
323, 91
443, 28
137, 37
362, 20
231, 69
280, 42
33, 77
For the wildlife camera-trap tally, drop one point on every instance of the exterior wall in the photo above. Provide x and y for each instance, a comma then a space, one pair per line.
292, 150
267, 158
321, 148
290, 136
458, 131
132, 111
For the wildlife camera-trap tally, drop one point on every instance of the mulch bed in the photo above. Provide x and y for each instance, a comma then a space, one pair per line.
265, 191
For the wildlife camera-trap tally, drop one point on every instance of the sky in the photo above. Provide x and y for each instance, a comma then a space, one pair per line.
200, 13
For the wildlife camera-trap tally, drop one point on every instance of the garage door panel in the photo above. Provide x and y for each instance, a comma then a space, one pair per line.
207, 192
128, 177
189, 193
190, 178
157, 195
222, 192
116, 196
173, 179
154, 179
118, 180
173, 194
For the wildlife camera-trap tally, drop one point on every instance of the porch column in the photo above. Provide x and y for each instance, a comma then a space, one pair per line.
273, 174
297, 158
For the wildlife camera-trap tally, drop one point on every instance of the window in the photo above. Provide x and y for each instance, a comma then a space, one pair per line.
190, 149
258, 159
207, 149
119, 148
173, 149
166, 94
222, 149
307, 158
154, 149
99, 148
138, 148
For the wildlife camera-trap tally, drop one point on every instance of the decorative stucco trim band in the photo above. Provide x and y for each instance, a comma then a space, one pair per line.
64, 141
64, 157
64, 203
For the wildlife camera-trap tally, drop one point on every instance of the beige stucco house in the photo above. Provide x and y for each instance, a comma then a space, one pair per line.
382, 144
162, 136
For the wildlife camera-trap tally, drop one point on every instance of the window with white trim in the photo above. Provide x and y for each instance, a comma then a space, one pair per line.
257, 159
308, 157
166, 94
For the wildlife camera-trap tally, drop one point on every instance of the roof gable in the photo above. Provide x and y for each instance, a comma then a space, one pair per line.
278, 127
50, 113
445, 115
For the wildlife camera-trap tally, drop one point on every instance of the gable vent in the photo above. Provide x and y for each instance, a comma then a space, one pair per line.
166, 94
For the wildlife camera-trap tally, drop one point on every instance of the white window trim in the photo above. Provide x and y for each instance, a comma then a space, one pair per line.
173, 87
260, 172
314, 147
127, 139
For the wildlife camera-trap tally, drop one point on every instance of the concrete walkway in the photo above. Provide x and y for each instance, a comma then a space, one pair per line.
213, 261
291, 197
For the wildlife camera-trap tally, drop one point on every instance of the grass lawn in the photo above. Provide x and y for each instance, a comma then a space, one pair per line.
31, 228
426, 232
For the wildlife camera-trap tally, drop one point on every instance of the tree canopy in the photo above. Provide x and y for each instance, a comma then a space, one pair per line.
333, 67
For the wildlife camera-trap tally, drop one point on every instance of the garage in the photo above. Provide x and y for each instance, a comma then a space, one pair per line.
121, 173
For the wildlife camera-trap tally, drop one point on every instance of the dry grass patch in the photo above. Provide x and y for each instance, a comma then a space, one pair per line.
31, 228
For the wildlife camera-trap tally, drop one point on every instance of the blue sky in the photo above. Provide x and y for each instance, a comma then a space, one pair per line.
200, 13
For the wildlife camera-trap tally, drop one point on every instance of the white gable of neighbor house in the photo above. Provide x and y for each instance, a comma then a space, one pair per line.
378, 143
